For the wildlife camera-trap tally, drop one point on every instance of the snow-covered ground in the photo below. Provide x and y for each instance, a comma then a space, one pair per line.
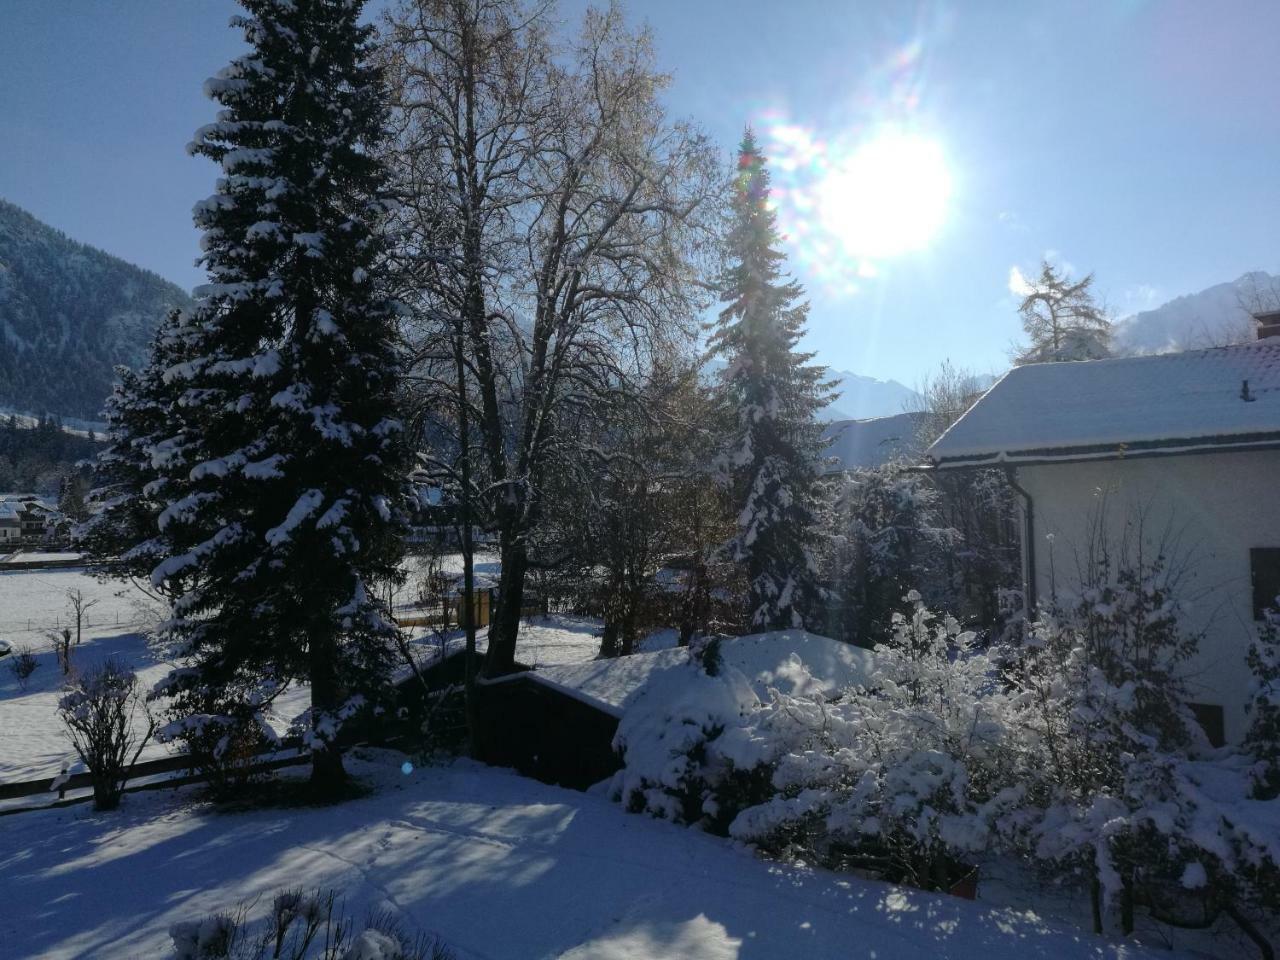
42, 555
33, 605
497, 865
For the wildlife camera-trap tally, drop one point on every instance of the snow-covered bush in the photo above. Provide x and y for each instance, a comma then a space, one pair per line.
665, 739
22, 664
1122, 789
1263, 739
904, 776
98, 707
223, 749
222, 733
301, 926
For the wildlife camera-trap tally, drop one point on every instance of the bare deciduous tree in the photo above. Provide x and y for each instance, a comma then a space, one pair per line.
558, 228
80, 605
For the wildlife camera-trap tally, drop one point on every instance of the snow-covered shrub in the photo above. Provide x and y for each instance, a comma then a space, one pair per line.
223, 749
904, 777
98, 707
22, 664
1118, 771
664, 739
1263, 739
221, 733
301, 926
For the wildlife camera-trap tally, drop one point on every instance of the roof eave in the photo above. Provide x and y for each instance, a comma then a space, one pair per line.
1122, 451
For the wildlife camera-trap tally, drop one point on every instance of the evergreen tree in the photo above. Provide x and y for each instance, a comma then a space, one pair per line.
126, 495
283, 480
772, 459
1062, 320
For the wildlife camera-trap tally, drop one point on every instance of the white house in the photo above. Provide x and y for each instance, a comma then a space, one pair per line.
10, 520
1189, 442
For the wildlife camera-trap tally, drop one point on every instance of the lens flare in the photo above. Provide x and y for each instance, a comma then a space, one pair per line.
871, 182
888, 197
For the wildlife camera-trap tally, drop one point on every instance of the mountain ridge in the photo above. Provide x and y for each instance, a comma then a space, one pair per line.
69, 314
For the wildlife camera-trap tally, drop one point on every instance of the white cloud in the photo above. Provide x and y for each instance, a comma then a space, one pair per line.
1019, 286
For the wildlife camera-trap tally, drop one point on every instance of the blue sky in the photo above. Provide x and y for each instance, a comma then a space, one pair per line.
1139, 140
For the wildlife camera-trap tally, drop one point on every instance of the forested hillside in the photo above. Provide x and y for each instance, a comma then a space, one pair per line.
69, 313
36, 458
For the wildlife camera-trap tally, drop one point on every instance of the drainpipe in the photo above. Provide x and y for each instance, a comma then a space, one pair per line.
1029, 537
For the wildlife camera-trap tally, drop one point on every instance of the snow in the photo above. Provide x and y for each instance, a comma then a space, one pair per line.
766, 659
1103, 407
33, 605
496, 865
59, 556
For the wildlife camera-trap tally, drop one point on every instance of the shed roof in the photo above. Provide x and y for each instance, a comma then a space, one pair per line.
1128, 406
865, 444
766, 659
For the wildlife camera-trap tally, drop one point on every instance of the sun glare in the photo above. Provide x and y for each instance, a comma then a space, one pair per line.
889, 197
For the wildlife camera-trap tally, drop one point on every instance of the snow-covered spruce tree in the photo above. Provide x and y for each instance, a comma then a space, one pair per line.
127, 488
772, 457
282, 497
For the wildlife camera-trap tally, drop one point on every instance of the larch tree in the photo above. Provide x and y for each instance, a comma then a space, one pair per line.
773, 456
1062, 320
283, 477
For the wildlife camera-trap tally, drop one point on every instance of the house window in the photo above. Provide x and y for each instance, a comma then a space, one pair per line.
1264, 570
1209, 716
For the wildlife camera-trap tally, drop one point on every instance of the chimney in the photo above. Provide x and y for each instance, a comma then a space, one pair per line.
1268, 324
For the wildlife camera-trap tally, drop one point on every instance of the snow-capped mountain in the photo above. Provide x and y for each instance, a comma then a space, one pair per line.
859, 397
1217, 315
69, 313
862, 397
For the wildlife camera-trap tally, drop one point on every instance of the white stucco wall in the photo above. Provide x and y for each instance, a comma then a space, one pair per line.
1217, 506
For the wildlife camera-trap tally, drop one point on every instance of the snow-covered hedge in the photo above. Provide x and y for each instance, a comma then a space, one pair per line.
905, 774
1073, 748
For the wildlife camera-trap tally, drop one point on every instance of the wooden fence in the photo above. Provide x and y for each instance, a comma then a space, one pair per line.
449, 612
140, 771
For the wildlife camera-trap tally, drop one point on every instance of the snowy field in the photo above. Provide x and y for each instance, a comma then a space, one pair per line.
497, 865
33, 605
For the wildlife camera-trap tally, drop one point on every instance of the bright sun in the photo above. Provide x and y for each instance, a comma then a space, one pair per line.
889, 197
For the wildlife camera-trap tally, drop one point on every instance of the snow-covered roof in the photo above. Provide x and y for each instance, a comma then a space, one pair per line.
864, 444
1128, 406
765, 658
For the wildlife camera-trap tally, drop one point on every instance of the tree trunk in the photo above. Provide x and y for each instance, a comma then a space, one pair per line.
1126, 904
609, 639
1095, 904
328, 776
468, 611
504, 621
